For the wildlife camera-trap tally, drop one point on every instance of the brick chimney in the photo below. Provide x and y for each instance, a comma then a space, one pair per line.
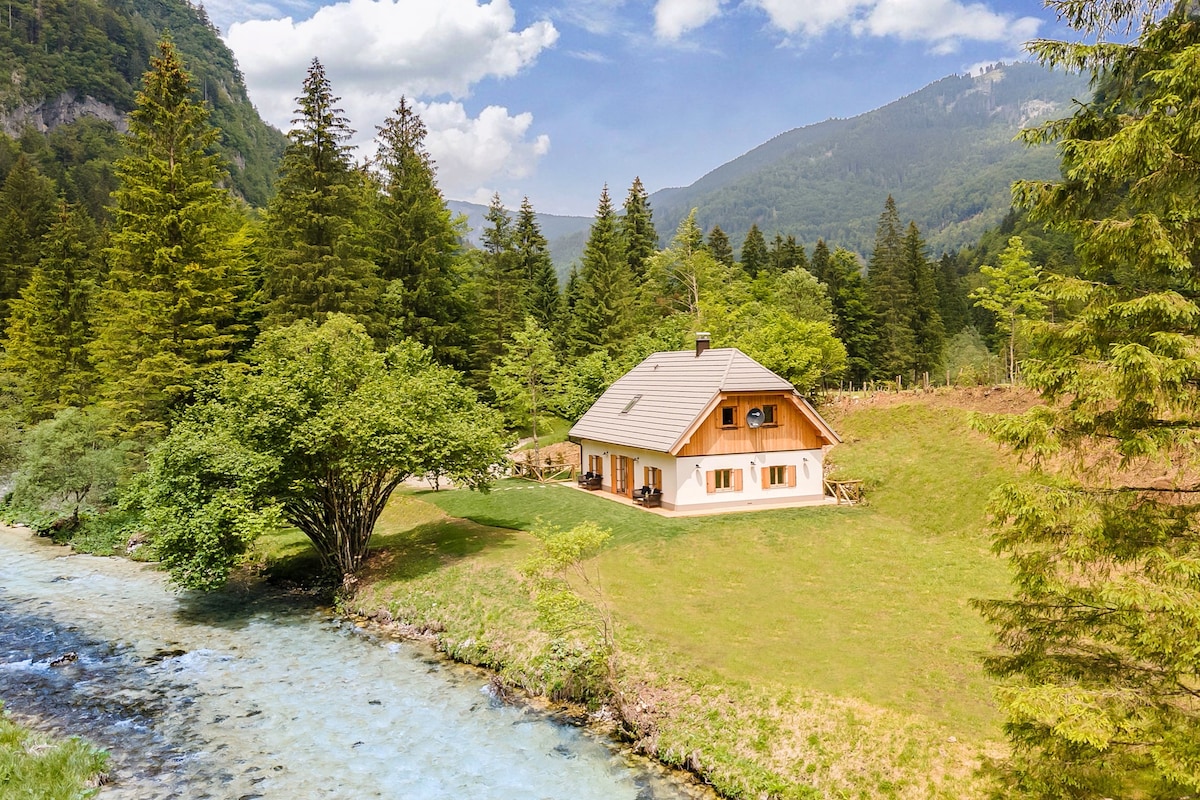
703, 342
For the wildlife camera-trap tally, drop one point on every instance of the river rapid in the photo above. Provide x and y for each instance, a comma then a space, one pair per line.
244, 696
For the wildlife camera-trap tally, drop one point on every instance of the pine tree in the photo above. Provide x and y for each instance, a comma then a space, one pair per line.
1098, 647
637, 229
755, 257
542, 300
26, 212
952, 294
853, 320
315, 253
719, 246
820, 264
891, 299
167, 314
928, 332
500, 286
602, 317
421, 250
49, 328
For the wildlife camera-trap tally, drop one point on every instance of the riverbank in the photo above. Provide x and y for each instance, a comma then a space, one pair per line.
791, 654
250, 693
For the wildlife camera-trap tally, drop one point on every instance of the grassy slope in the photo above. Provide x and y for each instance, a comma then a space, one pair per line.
805, 653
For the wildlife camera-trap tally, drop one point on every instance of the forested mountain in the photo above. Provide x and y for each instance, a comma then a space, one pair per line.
69, 69
946, 154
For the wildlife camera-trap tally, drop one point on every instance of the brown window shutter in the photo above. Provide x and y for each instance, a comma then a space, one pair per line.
737, 480
765, 472
710, 478
791, 475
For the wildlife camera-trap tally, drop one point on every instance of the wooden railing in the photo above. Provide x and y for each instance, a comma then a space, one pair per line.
848, 492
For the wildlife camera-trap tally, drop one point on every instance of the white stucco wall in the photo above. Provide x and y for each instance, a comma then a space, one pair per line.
692, 488
684, 479
644, 458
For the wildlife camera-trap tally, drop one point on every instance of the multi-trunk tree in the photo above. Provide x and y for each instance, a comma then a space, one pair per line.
318, 431
1099, 647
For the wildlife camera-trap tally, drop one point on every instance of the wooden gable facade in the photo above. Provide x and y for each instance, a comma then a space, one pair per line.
724, 429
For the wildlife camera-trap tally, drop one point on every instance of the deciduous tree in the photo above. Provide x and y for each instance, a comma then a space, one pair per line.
1012, 294
320, 430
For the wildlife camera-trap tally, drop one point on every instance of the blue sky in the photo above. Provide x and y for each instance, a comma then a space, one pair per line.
554, 98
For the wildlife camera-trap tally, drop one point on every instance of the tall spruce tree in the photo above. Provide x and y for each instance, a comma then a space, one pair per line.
637, 229
754, 256
542, 297
316, 248
1099, 647
167, 314
500, 286
891, 299
853, 320
50, 326
819, 266
952, 294
420, 244
603, 315
929, 335
27, 203
719, 246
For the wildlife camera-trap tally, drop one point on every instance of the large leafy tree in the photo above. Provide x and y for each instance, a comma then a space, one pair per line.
50, 326
168, 312
524, 378
1011, 292
1100, 647
315, 244
319, 431
419, 242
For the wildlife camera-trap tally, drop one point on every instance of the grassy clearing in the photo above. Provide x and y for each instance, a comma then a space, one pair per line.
551, 430
791, 653
34, 768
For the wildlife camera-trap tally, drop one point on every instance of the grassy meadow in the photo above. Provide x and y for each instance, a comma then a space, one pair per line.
802, 653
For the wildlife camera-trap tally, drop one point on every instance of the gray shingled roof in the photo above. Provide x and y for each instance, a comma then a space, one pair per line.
674, 390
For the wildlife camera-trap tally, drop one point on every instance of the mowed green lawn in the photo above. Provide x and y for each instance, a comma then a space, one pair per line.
870, 602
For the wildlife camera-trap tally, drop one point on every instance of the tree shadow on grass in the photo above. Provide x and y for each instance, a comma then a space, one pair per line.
411, 553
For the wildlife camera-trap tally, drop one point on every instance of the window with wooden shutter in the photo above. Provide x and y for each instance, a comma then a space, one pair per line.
724, 480
775, 477
791, 475
765, 474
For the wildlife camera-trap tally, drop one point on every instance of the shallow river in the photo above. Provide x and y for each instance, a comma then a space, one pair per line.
250, 697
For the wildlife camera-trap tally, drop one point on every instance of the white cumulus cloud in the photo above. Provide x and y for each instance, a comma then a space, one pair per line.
375, 51
942, 23
474, 151
674, 18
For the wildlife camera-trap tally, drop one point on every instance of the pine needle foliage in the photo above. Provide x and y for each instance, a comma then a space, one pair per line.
167, 314
1099, 648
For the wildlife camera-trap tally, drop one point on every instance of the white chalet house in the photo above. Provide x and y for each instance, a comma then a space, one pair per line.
709, 429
